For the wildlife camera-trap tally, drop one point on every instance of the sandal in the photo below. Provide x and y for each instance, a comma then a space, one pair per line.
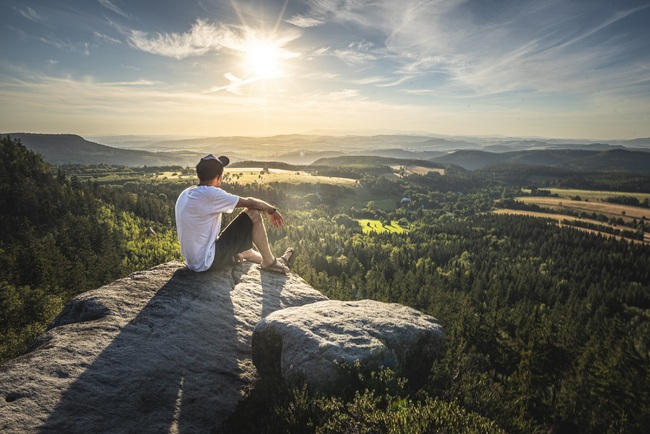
288, 257
276, 267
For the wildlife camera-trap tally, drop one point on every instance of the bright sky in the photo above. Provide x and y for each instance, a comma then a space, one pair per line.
554, 68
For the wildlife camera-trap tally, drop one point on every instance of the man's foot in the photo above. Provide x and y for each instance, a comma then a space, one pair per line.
288, 257
277, 267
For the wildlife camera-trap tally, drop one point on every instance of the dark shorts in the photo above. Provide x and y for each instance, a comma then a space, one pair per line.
236, 238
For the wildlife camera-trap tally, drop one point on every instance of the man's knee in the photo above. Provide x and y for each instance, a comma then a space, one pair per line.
254, 215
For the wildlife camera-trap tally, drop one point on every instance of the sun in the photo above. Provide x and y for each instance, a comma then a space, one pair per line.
263, 59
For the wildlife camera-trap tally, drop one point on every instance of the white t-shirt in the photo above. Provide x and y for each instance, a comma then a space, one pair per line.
198, 222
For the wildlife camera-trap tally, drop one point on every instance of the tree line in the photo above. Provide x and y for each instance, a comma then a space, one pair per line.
60, 236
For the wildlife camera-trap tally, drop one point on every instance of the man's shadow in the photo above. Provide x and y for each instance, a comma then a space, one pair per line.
173, 368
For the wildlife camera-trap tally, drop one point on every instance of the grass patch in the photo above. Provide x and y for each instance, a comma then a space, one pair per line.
415, 169
562, 219
251, 175
375, 226
592, 195
626, 212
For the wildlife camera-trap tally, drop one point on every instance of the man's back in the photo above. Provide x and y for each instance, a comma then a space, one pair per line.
198, 222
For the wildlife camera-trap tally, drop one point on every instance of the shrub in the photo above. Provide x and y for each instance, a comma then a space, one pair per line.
375, 402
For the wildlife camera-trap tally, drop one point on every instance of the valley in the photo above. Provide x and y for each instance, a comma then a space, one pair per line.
536, 314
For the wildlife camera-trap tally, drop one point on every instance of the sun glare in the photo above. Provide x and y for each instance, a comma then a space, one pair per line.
263, 59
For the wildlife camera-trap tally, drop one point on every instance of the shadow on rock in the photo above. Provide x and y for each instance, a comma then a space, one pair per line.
172, 368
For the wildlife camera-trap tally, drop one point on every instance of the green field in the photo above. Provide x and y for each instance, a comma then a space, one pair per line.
369, 226
592, 195
250, 175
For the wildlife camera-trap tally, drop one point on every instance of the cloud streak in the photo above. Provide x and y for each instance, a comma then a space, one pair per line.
113, 7
481, 50
30, 14
199, 40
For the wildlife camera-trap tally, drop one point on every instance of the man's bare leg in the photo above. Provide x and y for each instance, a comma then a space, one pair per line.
261, 241
252, 255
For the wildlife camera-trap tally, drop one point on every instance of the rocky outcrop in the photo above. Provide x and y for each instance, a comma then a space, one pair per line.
309, 340
164, 350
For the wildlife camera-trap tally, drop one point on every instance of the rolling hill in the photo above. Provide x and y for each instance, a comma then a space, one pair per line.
612, 159
72, 149
304, 149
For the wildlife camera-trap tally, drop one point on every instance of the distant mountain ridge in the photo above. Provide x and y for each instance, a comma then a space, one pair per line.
73, 149
619, 159
301, 149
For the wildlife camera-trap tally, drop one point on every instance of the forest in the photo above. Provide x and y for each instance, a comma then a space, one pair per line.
548, 327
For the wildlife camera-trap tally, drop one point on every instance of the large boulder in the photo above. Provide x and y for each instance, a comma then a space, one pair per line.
310, 341
164, 350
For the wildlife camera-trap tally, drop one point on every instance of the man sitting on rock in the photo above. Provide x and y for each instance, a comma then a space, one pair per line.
198, 222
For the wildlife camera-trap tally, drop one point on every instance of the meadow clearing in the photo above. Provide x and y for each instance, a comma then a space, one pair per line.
592, 195
559, 218
626, 212
369, 226
250, 175
413, 169
590, 203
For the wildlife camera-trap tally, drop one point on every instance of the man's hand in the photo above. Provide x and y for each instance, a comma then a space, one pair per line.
276, 219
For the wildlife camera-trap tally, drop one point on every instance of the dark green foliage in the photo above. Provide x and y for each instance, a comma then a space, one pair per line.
519, 175
547, 327
60, 236
625, 200
376, 402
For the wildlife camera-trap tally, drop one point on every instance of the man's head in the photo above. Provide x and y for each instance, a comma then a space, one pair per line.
211, 167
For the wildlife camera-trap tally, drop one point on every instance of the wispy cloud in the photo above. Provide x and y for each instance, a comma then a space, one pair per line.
354, 57
344, 94
235, 84
30, 14
82, 48
204, 38
481, 50
201, 39
375, 79
105, 38
304, 22
78, 47
554, 60
113, 7
141, 82
354, 53
600, 26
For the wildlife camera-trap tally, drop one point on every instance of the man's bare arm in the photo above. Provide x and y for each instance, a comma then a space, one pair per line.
258, 204
275, 217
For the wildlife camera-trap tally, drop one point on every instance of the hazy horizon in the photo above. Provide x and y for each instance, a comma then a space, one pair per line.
526, 69
334, 133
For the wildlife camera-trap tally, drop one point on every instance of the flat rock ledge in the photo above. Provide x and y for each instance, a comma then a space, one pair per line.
310, 340
163, 350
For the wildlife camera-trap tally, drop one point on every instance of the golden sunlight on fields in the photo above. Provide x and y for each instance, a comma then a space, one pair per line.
585, 210
560, 218
413, 169
249, 175
626, 212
